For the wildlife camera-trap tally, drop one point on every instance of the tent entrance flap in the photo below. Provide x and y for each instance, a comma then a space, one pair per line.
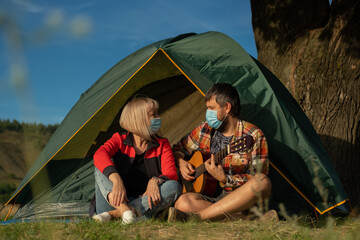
156, 69
181, 105
69, 195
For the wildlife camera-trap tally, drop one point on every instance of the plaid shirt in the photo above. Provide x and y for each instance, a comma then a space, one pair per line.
239, 167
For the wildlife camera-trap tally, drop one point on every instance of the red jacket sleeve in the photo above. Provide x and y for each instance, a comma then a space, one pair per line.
102, 157
168, 167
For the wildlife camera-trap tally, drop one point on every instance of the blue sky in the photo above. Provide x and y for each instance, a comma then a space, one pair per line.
64, 46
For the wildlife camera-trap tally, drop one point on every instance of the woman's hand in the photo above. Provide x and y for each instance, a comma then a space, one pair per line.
153, 192
118, 194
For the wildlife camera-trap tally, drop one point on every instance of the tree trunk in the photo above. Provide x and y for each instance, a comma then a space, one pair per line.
314, 49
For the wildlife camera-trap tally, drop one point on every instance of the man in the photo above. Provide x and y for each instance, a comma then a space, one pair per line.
241, 176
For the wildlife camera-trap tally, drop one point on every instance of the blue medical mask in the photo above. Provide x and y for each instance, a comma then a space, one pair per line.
211, 118
155, 124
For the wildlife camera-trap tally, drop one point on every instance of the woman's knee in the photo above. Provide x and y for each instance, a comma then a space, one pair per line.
171, 188
103, 185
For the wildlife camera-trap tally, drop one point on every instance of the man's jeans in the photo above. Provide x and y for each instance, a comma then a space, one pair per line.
169, 191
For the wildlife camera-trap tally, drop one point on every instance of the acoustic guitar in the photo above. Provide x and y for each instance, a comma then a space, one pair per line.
205, 183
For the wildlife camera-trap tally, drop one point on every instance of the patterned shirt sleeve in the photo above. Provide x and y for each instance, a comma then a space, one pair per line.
258, 163
188, 144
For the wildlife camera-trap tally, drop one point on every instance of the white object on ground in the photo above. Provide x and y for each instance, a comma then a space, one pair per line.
129, 217
102, 217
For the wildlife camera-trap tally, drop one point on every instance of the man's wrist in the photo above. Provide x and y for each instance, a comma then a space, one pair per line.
178, 160
223, 180
222, 184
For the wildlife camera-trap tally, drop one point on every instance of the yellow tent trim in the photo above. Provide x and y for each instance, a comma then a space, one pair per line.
338, 204
82, 127
8, 214
160, 49
321, 212
294, 186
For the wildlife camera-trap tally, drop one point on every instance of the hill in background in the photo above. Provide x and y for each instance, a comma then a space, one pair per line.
20, 145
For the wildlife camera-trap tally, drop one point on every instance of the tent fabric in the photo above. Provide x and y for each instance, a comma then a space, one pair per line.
177, 72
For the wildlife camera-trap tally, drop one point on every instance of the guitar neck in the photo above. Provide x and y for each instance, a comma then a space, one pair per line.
222, 154
217, 157
240, 145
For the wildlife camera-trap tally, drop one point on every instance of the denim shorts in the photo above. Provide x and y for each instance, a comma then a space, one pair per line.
215, 199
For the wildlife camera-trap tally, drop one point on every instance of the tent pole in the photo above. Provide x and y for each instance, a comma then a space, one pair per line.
7, 215
316, 215
351, 209
11, 208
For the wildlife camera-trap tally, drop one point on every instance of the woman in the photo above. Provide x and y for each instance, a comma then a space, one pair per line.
135, 173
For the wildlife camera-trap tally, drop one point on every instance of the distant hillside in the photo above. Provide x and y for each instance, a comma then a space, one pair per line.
20, 145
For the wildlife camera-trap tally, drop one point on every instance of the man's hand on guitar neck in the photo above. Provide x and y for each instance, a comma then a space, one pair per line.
216, 170
186, 169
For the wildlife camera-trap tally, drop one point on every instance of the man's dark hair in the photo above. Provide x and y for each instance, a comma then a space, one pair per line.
224, 93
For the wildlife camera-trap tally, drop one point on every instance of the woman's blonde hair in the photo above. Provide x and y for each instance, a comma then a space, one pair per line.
135, 118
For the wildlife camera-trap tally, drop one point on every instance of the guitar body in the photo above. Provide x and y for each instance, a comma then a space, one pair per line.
203, 183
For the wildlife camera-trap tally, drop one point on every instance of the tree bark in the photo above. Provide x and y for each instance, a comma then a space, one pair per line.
314, 49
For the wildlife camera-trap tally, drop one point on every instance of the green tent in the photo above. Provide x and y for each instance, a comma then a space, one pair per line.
177, 72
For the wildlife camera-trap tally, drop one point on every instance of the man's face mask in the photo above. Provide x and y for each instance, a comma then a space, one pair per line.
211, 118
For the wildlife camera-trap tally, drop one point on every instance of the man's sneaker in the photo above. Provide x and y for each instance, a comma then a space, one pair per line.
175, 214
270, 216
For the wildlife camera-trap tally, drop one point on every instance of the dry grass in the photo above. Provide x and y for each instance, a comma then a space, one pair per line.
327, 229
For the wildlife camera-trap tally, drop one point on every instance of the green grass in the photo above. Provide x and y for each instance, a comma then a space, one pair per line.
326, 229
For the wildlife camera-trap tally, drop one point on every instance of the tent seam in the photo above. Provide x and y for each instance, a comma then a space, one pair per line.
172, 61
336, 205
283, 175
291, 184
